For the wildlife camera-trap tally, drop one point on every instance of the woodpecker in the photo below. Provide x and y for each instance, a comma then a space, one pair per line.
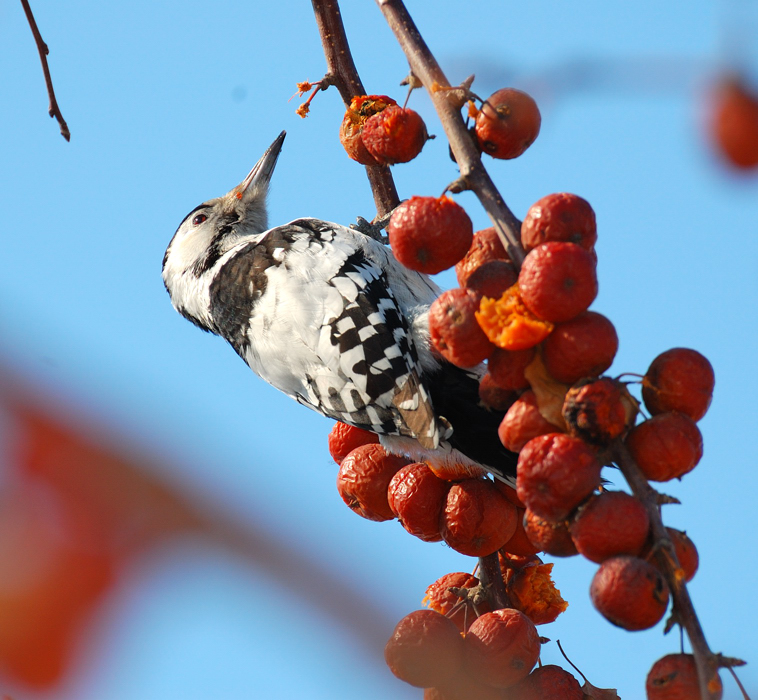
327, 315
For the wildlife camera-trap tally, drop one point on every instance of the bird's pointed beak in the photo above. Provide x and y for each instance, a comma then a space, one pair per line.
259, 177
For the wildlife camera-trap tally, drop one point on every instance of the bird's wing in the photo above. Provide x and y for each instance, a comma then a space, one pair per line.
312, 313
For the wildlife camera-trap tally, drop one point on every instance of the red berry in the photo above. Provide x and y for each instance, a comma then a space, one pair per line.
582, 347
477, 519
507, 367
454, 330
430, 234
610, 523
734, 123
485, 247
344, 438
493, 278
675, 677
533, 592
416, 496
555, 473
686, 553
439, 597
493, 396
507, 124
361, 108
666, 447
363, 479
598, 410
394, 135
630, 592
520, 544
680, 380
549, 682
522, 422
425, 649
552, 538
558, 281
559, 217
502, 647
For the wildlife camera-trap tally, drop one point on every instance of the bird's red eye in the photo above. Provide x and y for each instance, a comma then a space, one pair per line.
199, 219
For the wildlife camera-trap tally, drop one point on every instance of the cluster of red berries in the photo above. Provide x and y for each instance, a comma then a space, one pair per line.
546, 353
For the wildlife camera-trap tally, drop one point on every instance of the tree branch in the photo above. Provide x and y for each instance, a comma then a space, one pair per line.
707, 662
473, 174
344, 76
53, 109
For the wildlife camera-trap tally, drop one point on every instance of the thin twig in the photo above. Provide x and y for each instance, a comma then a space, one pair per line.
425, 67
344, 76
707, 662
53, 109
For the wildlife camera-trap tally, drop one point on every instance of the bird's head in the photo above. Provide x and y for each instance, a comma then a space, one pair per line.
215, 227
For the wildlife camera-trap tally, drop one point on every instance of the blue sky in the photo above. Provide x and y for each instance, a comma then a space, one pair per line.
170, 104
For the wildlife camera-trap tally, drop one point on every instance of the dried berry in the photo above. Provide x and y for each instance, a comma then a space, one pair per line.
485, 247
477, 519
494, 396
502, 647
558, 281
509, 324
394, 135
666, 446
559, 217
734, 123
520, 544
454, 330
522, 422
630, 592
582, 347
441, 598
556, 472
533, 592
363, 479
417, 497
344, 438
361, 108
430, 234
675, 677
549, 682
680, 380
425, 649
507, 124
609, 524
599, 410
493, 278
551, 537
507, 367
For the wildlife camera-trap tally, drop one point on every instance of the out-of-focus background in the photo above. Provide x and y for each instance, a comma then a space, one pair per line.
169, 524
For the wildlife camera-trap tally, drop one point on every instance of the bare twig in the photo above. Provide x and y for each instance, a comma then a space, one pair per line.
53, 110
425, 67
345, 78
491, 577
707, 662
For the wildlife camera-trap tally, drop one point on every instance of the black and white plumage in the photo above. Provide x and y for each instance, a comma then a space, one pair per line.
329, 317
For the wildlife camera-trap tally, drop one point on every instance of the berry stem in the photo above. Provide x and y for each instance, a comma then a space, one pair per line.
491, 577
344, 76
425, 67
707, 662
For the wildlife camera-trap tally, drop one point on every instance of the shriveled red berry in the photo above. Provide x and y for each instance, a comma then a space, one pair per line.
363, 479
666, 446
551, 682
551, 537
510, 493
430, 234
522, 422
361, 108
734, 122
555, 473
680, 380
344, 438
686, 553
493, 278
464, 686
441, 598
502, 647
675, 677
507, 367
582, 347
485, 247
493, 396
454, 330
519, 543
599, 410
417, 497
630, 592
559, 217
477, 519
558, 281
507, 124
609, 524
425, 649
394, 135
